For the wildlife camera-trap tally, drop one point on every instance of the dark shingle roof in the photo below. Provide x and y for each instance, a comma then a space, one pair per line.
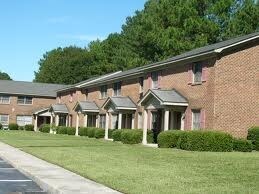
171, 96
29, 88
87, 106
59, 108
121, 102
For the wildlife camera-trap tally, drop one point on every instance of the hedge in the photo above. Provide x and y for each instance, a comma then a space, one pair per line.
116, 135
150, 136
61, 130
205, 141
99, 133
253, 135
131, 136
71, 130
13, 126
168, 139
21, 128
45, 128
91, 131
242, 145
29, 127
1, 126
82, 131
110, 131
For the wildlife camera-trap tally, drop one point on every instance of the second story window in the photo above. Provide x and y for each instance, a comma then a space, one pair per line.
103, 90
117, 89
4, 99
24, 100
154, 79
197, 72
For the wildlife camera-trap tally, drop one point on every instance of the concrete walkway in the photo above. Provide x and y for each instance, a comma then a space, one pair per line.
49, 177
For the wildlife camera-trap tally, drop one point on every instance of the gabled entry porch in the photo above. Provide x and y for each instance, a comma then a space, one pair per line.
120, 113
59, 115
90, 111
163, 110
41, 116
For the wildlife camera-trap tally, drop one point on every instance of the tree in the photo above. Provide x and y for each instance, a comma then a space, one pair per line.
4, 76
164, 28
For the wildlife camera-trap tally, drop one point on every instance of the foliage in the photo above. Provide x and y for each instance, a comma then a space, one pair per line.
206, 141
242, 145
168, 139
131, 136
162, 29
29, 127
1, 126
91, 131
99, 133
61, 130
45, 128
13, 126
21, 128
71, 130
150, 136
110, 131
4, 76
82, 131
116, 135
253, 135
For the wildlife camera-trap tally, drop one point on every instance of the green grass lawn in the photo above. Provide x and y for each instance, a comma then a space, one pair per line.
139, 169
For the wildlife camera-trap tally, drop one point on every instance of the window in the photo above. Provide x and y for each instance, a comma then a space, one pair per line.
4, 119
117, 89
4, 99
103, 90
62, 120
91, 121
141, 84
154, 78
23, 120
197, 72
196, 119
24, 100
102, 121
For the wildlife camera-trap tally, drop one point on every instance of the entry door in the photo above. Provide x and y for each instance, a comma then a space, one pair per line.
177, 120
156, 120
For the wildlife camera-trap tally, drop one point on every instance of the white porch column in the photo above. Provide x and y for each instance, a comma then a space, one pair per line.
77, 123
36, 123
182, 121
85, 120
67, 120
51, 123
144, 141
97, 121
133, 121
166, 120
106, 126
56, 120
119, 120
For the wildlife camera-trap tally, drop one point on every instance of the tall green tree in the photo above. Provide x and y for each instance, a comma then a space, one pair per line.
164, 28
4, 76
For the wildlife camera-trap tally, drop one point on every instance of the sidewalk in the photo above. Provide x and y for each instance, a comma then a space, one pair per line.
51, 178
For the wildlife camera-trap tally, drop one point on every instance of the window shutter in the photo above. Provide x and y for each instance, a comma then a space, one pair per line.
202, 119
190, 74
159, 79
149, 80
204, 75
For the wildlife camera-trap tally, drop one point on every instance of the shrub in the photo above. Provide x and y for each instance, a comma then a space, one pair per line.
253, 135
110, 131
1, 126
150, 136
116, 135
13, 126
99, 133
45, 128
168, 139
242, 145
206, 141
29, 128
82, 131
91, 131
131, 136
21, 128
71, 130
61, 130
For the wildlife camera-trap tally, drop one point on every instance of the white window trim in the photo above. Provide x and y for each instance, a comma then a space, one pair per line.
8, 118
193, 74
103, 97
1, 100
113, 91
193, 119
24, 101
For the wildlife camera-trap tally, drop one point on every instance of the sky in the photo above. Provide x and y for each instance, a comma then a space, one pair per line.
30, 28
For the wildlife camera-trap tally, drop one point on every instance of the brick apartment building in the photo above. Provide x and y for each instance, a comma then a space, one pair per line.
212, 87
20, 100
